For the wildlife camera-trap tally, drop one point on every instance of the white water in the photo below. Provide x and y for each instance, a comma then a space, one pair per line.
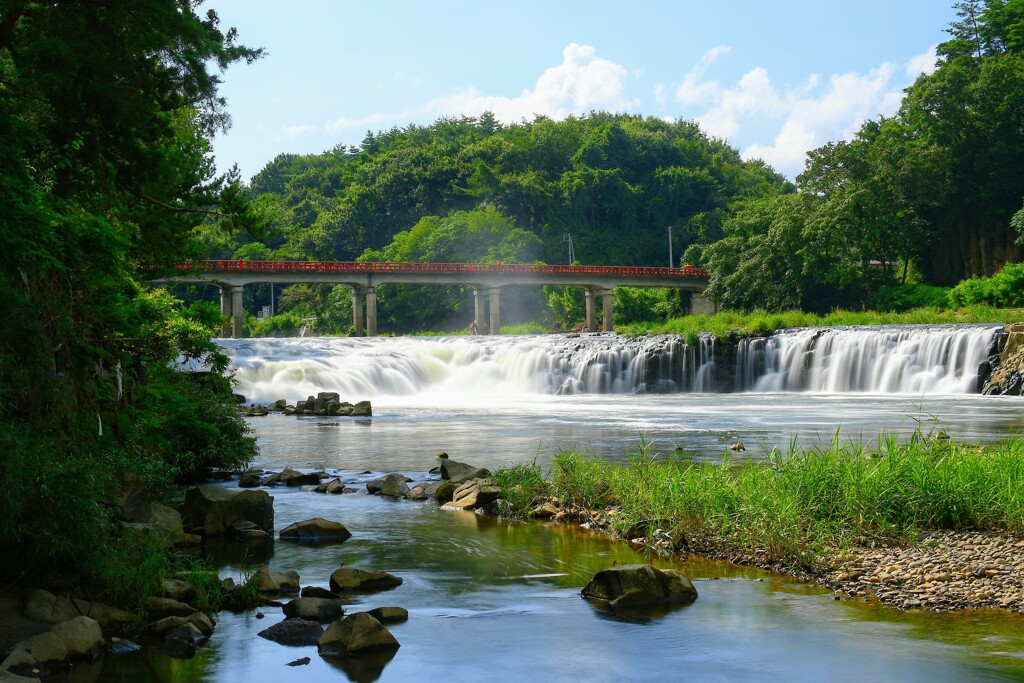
893, 360
906, 360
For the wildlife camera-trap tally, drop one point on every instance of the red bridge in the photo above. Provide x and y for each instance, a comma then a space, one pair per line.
365, 276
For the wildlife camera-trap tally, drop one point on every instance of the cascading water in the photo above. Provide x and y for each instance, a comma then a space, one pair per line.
901, 360
915, 360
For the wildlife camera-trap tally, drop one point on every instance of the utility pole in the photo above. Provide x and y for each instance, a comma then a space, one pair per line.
670, 260
568, 238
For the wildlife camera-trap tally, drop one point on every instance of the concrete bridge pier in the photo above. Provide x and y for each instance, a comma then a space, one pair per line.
606, 303
495, 323
225, 309
701, 305
358, 328
478, 309
237, 330
371, 311
591, 309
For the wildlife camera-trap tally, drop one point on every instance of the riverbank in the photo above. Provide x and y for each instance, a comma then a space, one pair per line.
928, 523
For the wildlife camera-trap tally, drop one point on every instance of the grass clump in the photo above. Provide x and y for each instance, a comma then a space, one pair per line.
795, 509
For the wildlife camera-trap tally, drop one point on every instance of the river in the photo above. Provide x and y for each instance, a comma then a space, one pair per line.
495, 599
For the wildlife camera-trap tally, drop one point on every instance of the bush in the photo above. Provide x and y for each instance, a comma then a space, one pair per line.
1005, 289
899, 298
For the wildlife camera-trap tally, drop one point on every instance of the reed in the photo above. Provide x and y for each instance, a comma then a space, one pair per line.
798, 507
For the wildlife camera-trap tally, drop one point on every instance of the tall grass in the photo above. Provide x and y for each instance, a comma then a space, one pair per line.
722, 325
799, 507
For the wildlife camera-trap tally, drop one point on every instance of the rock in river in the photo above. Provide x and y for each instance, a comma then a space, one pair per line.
316, 529
355, 634
639, 585
350, 579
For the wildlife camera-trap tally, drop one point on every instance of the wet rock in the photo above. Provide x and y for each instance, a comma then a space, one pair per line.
158, 608
316, 529
332, 486
294, 632
474, 494
315, 609
317, 592
120, 646
249, 481
267, 580
459, 472
299, 662
389, 615
178, 590
351, 579
362, 409
639, 585
212, 510
201, 622
355, 634
394, 486
418, 492
444, 492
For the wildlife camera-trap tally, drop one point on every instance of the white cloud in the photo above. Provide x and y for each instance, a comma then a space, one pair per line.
923, 64
301, 129
361, 123
796, 119
583, 82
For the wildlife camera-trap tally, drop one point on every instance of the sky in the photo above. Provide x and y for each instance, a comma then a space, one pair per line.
774, 78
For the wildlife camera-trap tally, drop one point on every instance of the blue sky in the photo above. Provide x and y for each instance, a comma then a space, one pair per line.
774, 78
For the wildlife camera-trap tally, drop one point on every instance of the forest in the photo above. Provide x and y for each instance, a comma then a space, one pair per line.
914, 204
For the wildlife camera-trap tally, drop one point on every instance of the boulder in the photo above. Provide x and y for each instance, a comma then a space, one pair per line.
132, 497
474, 494
249, 481
268, 581
418, 492
389, 615
163, 626
332, 486
394, 486
459, 472
82, 637
294, 632
317, 592
355, 634
316, 609
316, 529
44, 606
362, 409
244, 530
350, 579
640, 585
373, 486
212, 510
158, 608
120, 646
176, 589
444, 492
188, 632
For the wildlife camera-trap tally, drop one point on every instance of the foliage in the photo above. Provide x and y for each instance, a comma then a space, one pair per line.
900, 298
107, 173
1005, 289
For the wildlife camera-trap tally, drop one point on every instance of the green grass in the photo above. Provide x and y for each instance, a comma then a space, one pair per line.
722, 325
800, 507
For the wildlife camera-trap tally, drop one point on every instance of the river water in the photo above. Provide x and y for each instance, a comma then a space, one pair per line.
499, 600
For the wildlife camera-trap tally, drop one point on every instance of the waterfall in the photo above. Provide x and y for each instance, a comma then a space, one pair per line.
901, 360
910, 360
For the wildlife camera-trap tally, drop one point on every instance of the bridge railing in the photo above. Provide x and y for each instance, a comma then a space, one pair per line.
246, 265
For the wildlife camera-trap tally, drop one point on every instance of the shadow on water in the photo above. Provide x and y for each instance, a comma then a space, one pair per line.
364, 668
635, 615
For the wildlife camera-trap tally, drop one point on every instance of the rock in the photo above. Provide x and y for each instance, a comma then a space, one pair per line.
737, 447
332, 486
178, 590
161, 627
268, 581
211, 510
120, 646
394, 486
444, 492
249, 481
158, 608
418, 492
41, 605
45, 648
639, 585
362, 409
316, 529
317, 592
473, 494
178, 648
350, 579
294, 632
132, 497
298, 662
316, 609
389, 615
355, 634
459, 472
81, 636
373, 486
188, 632
164, 518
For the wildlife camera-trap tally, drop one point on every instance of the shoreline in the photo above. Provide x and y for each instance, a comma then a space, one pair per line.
941, 571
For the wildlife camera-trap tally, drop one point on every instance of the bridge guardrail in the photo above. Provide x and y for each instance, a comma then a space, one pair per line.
417, 266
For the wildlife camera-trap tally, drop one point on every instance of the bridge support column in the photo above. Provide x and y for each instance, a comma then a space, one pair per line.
357, 312
606, 303
237, 331
701, 305
225, 310
591, 310
478, 309
495, 325
371, 311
